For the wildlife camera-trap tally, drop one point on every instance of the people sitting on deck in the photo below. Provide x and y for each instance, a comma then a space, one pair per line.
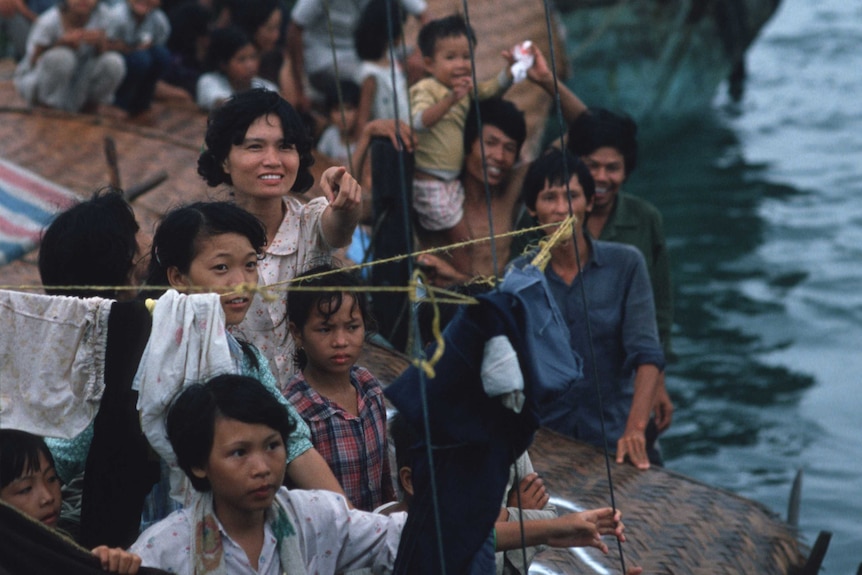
16, 18
30, 484
614, 331
232, 65
139, 30
264, 23
67, 64
190, 36
230, 436
318, 27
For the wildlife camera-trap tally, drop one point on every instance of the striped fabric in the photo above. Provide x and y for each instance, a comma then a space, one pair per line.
27, 204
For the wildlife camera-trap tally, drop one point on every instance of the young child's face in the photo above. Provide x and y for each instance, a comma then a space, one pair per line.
333, 345
451, 60
222, 262
349, 123
245, 466
242, 67
36, 493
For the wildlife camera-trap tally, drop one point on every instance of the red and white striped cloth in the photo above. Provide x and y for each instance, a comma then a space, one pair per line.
28, 203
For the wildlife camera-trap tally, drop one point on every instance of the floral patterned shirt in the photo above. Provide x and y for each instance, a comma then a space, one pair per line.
332, 538
297, 244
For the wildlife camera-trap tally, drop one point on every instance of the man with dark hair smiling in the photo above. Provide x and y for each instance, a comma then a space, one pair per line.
503, 134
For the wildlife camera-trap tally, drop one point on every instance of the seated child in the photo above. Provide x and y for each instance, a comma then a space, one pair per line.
139, 30
338, 140
439, 105
230, 437
232, 63
341, 402
67, 65
583, 529
29, 483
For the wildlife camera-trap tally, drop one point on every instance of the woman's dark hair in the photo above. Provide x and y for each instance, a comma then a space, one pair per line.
19, 454
372, 37
224, 44
551, 168
193, 413
93, 243
177, 239
499, 113
249, 15
599, 128
448, 27
300, 303
228, 124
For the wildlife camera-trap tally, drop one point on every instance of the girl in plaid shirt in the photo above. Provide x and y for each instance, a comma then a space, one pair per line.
341, 402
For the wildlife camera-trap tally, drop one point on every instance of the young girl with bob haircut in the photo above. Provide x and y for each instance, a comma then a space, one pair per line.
215, 247
29, 483
230, 437
341, 401
258, 146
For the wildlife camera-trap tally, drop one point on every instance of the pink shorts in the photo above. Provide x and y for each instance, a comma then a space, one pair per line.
439, 204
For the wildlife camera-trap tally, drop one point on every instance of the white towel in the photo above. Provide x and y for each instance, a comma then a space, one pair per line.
52, 362
501, 373
188, 344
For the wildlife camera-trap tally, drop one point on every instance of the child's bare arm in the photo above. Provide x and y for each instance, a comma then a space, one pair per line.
584, 529
116, 560
541, 75
433, 113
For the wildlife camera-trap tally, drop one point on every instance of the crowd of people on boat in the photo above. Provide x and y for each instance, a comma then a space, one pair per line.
205, 410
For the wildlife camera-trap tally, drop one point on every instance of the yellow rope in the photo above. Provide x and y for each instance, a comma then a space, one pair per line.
561, 234
266, 291
427, 365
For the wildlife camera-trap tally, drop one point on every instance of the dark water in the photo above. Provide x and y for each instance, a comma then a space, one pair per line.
763, 211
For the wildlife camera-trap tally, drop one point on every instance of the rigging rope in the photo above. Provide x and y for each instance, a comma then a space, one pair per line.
561, 126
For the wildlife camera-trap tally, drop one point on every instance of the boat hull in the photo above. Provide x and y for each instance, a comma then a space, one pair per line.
657, 59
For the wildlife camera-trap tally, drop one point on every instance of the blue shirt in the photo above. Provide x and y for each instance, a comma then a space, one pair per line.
622, 323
